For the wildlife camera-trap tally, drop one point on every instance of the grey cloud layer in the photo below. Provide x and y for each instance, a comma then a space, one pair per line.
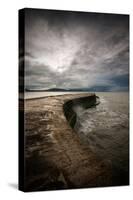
76, 50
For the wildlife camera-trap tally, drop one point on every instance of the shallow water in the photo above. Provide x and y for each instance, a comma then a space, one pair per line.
105, 128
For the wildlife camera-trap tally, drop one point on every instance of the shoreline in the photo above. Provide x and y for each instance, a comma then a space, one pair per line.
51, 94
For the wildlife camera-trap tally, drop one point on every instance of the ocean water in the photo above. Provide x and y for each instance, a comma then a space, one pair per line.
105, 129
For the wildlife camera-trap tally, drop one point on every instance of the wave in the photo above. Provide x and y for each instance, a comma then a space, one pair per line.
105, 129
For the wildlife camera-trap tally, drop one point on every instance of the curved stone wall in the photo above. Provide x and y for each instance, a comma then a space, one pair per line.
55, 157
85, 102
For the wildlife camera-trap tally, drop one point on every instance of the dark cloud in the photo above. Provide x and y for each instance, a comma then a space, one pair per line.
76, 50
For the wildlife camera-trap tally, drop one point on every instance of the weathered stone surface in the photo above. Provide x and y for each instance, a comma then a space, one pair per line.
55, 157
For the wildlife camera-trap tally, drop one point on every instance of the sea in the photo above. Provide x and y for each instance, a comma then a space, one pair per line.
105, 129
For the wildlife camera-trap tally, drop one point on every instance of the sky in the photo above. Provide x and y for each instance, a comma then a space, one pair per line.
71, 50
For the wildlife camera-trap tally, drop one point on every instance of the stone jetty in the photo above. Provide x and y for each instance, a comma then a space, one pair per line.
55, 157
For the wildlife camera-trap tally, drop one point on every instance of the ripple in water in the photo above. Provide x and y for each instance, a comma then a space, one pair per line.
105, 129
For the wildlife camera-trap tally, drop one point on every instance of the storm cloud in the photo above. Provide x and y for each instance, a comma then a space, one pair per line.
67, 49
